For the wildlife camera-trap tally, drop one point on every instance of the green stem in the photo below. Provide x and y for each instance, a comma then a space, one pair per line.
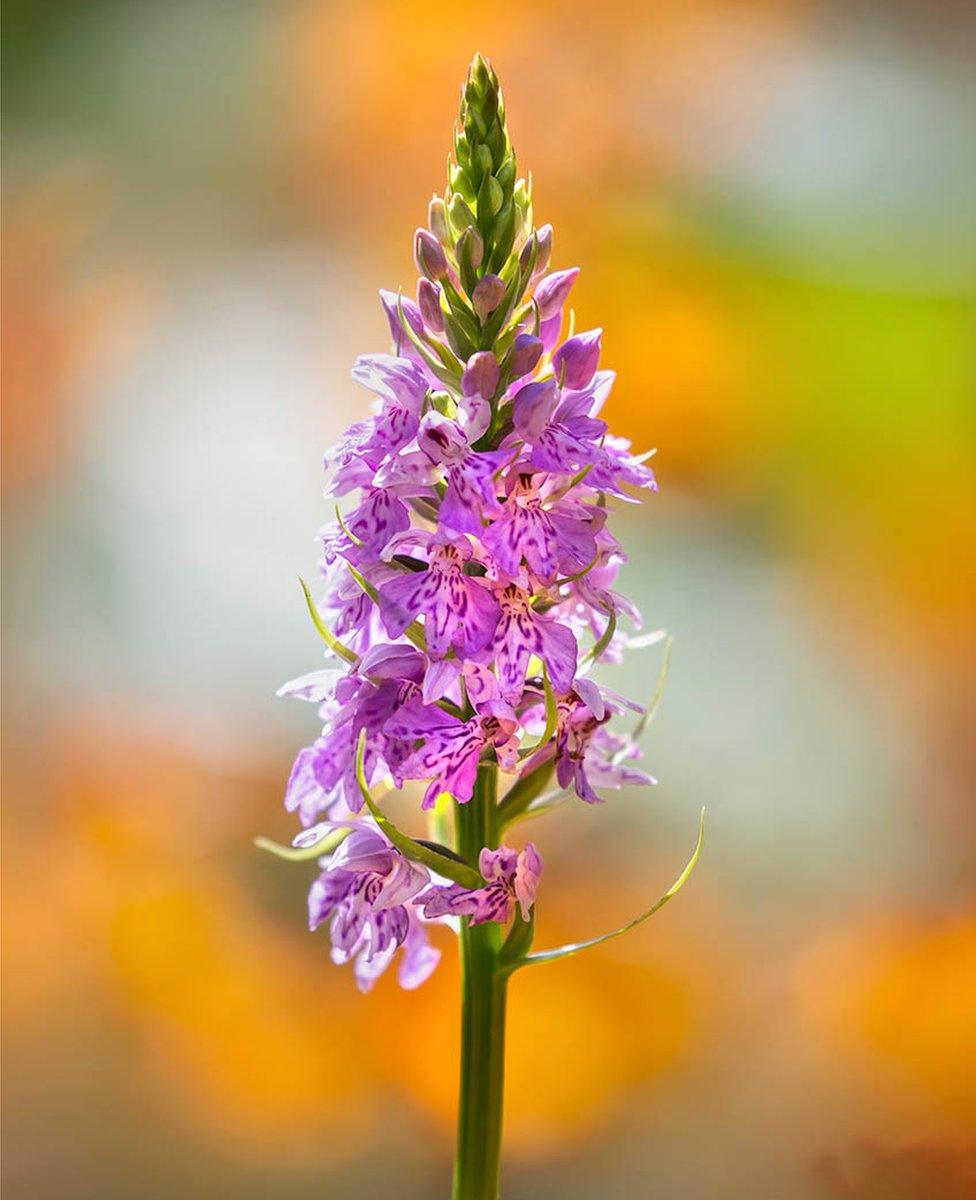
483, 988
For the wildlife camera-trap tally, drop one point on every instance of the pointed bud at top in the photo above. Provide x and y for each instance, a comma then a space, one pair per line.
429, 255
437, 221
488, 293
480, 376
552, 292
429, 303
525, 355
575, 361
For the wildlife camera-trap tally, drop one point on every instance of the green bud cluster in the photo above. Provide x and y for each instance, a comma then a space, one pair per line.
484, 193
483, 224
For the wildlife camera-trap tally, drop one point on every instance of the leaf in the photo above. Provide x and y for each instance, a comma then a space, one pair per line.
432, 360
414, 630
576, 947
356, 541
519, 941
595, 651
545, 803
552, 717
643, 640
524, 790
459, 872
652, 705
324, 845
325, 633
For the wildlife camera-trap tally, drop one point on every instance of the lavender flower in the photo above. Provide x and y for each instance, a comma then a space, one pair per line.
365, 891
512, 878
468, 594
478, 534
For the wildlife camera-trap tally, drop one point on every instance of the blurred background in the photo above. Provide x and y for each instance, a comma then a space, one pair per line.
773, 205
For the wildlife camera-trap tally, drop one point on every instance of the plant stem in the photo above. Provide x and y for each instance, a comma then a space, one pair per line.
483, 989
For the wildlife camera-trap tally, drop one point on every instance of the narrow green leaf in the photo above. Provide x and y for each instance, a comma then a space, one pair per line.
459, 872
544, 803
652, 706
519, 941
324, 845
414, 631
595, 651
432, 360
552, 717
576, 947
325, 633
524, 790
356, 541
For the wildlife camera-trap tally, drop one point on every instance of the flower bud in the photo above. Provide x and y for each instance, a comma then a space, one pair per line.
551, 292
533, 407
429, 302
480, 376
437, 221
429, 255
525, 355
545, 251
459, 213
471, 246
575, 361
442, 402
488, 293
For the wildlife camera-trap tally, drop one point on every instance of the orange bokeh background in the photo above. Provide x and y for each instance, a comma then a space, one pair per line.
769, 203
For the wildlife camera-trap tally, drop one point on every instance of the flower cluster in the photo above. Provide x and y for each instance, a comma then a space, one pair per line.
468, 588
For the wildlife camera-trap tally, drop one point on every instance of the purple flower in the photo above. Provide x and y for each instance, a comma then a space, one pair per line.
401, 387
488, 293
365, 891
471, 579
470, 475
511, 879
379, 517
549, 537
480, 376
429, 255
526, 352
391, 306
575, 362
552, 292
429, 303
587, 753
323, 778
556, 425
459, 611
447, 750
522, 632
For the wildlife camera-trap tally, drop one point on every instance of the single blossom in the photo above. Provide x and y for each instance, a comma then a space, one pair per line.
511, 878
447, 750
522, 632
459, 610
556, 426
470, 476
548, 536
365, 891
